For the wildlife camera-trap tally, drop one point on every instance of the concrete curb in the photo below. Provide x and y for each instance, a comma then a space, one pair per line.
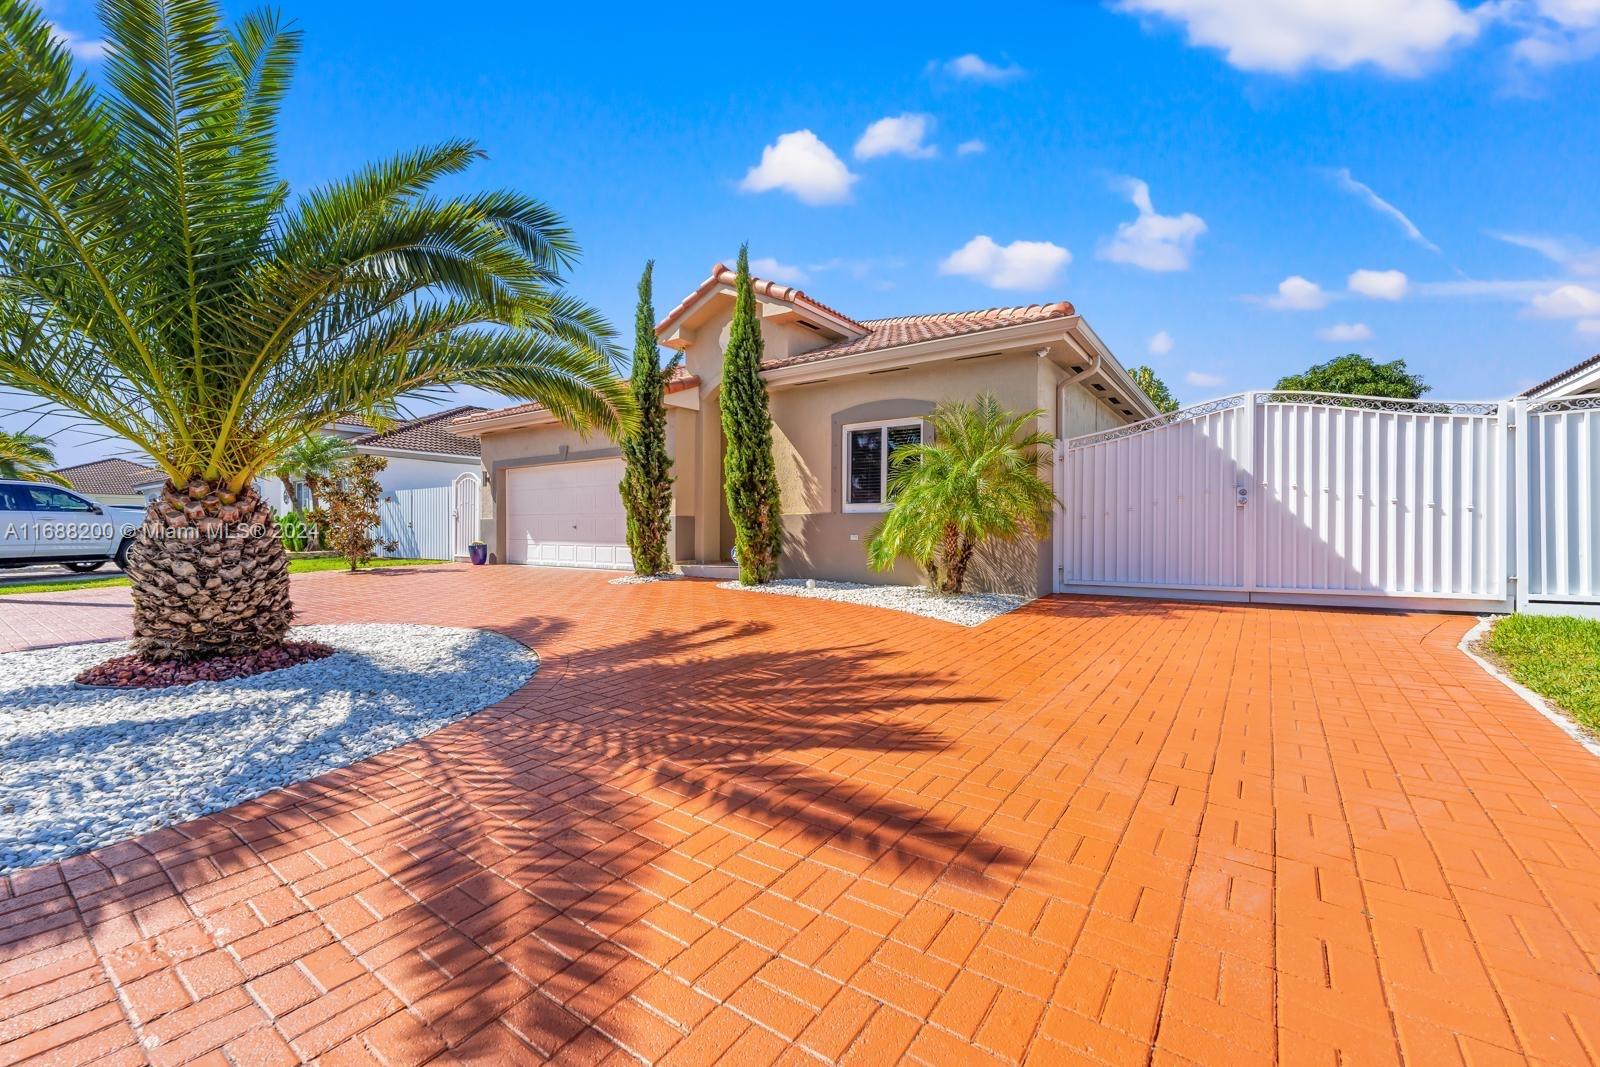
1534, 700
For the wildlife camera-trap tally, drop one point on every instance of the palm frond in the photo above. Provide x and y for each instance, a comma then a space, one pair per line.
156, 277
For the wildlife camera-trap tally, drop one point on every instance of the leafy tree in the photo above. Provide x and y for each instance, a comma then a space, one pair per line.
977, 481
1154, 388
160, 280
353, 494
748, 476
1356, 375
28, 455
647, 477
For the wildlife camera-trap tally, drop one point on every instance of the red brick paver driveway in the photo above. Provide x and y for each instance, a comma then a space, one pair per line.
720, 825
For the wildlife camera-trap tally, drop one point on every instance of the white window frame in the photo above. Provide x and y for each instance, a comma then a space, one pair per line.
883, 426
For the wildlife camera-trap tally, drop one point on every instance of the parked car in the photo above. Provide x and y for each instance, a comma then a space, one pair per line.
41, 523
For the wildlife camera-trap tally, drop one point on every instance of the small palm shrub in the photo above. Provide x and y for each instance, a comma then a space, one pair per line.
978, 480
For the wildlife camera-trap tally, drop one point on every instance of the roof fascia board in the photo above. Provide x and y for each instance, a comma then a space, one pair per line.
415, 453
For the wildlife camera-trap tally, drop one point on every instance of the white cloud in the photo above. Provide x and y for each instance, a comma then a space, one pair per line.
1567, 302
1298, 294
897, 135
801, 164
81, 47
1565, 252
1152, 241
1161, 343
1286, 36
1379, 284
1018, 265
1202, 380
1554, 31
771, 269
973, 147
1377, 203
973, 67
1589, 327
1346, 331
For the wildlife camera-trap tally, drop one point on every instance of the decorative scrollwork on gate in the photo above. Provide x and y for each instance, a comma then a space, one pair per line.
1382, 403
1568, 403
1181, 415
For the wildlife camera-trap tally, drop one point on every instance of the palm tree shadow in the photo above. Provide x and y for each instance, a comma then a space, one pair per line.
542, 849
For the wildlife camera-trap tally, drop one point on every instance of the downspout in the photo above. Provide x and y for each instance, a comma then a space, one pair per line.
1061, 391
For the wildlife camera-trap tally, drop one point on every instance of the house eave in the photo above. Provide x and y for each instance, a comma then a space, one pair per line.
410, 453
1072, 330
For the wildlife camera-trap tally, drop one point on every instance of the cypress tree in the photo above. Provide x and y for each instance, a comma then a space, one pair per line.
647, 472
748, 476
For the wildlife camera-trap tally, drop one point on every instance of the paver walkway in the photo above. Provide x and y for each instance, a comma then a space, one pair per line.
725, 826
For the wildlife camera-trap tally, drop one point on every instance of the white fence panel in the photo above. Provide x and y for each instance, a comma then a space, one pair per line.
1389, 498
1562, 443
1155, 504
1294, 495
421, 522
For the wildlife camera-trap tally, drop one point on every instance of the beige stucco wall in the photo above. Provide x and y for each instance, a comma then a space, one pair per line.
821, 539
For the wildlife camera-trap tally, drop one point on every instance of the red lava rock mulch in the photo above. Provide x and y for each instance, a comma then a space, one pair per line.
131, 672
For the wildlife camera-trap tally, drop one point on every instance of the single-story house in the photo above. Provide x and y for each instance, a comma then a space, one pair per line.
844, 393
423, 453
114, 482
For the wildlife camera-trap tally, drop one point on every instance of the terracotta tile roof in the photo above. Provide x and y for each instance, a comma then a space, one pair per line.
912, 329
1556, 379
110, 477
431, 433
721, 274
677, 379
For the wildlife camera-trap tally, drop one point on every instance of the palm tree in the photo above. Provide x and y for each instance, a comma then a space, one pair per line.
977, 481
311, 461
27, 455
157, 278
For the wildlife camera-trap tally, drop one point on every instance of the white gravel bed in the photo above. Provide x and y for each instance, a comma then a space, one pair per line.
965, 609
83, 767
644, 579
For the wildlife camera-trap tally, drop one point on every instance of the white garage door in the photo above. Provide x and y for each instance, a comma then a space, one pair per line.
567, 515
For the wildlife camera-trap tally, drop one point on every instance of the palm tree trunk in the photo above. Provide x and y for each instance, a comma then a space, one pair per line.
209, 574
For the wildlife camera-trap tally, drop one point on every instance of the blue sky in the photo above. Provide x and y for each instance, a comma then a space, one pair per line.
1203, 179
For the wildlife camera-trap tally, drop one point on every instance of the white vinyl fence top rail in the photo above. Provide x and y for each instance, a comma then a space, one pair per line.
1282, 396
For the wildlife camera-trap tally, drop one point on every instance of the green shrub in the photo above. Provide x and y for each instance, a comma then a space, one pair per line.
292, 531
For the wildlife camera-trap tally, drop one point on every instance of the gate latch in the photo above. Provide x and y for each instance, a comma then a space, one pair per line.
1241, 495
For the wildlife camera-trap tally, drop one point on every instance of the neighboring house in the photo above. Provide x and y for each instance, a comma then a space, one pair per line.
1580, 380
117, 482
843, 393
423, 453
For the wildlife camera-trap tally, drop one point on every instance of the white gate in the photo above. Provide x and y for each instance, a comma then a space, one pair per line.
1290, 496
465, 515
420, 522
1561, 519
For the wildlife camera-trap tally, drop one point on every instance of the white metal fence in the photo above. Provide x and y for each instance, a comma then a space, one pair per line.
1562, 521
421, 522
1304, 496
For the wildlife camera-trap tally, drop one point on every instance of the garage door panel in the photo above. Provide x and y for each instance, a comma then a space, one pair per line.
567, 515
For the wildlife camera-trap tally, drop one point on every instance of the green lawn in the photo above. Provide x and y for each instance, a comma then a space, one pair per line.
296, 566
1555, 656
